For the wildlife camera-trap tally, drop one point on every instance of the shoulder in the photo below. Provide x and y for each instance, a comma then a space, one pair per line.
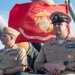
24, 45
48, 43
71, 37
1, 50
22, 49
19, 49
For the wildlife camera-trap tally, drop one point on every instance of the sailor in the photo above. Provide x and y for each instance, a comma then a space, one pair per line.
57, 57
12, 57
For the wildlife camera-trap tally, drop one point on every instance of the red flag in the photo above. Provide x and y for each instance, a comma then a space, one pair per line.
33, 20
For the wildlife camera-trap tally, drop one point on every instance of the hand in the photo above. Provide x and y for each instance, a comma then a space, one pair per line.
60, 67
55, 69
51, 68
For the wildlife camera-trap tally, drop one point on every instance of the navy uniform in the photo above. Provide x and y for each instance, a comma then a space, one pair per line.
53, 52
14, 56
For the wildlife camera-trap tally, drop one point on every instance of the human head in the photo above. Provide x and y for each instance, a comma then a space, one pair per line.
60, 21
9, 30
60, 17
9, 35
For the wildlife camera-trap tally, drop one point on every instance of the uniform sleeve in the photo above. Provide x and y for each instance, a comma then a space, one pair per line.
41, 56
22, 58
40, 60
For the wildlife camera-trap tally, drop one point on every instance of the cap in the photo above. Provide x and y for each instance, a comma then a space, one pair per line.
60, 17
9, 30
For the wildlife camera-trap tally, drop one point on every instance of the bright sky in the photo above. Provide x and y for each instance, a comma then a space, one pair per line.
7, 5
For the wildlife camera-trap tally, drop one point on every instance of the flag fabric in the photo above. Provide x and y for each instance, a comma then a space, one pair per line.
33, 20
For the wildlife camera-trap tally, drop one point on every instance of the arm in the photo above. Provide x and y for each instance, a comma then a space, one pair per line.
20, 66
21, 63
13, 70
40, 61
39, 66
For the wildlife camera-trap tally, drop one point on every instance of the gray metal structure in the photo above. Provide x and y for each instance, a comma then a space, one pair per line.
71, 10
3, 23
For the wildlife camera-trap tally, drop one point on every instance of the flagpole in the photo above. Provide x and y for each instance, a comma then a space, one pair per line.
71, 9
